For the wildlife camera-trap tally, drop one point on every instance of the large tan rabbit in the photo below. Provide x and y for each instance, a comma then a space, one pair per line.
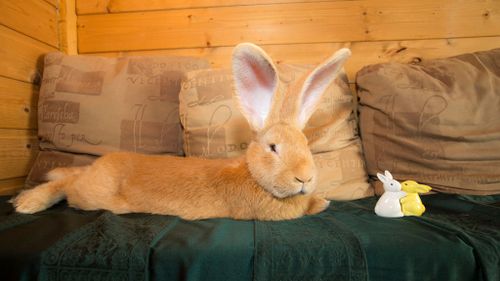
273, 181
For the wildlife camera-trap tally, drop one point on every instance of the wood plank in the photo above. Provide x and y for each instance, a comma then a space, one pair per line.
67, 28
54, 3
11, 186
364, 53
296, 23
18, 149
34, 18
18, 104
84, 7
21, 57
394, 19
264, 24
119, 6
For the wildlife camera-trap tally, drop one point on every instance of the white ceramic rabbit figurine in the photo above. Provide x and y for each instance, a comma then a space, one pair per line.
389, 205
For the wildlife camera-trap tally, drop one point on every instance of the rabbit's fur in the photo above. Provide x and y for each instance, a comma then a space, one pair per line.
273, 181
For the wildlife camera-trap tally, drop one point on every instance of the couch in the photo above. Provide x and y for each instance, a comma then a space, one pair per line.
435, 122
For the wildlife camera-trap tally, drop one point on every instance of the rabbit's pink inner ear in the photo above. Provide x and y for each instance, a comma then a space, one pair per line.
317, 82
255, 80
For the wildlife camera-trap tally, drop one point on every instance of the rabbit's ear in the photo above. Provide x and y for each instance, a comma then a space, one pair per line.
388, 175
317, 82
256, 81
381, 177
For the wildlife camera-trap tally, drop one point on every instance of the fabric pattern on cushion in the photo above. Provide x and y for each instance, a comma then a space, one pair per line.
437, 122
213, 127
48, 160
89, 106
96, 105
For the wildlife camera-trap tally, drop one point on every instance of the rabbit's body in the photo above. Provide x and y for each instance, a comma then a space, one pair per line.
273, 181
128, 182
412, 205
389, 205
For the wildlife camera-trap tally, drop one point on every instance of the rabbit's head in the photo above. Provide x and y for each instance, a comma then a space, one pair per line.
278, 157
390, 184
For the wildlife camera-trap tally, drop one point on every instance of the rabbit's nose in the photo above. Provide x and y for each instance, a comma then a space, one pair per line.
302, 180
304, 172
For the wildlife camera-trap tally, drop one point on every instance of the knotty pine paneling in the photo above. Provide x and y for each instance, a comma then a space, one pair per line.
18, 149
119, 6
28, 30
11, 186
18, 104
21, 57
364, 53
34, 18
288, 23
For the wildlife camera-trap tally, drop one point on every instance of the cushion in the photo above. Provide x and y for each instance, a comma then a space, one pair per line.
214, 127
95, 105
436, 122
48, 160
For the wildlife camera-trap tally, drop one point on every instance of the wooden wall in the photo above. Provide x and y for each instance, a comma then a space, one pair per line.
28, 29
297, 31
301, 31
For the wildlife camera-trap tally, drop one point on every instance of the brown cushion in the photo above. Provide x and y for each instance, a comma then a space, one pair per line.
214, 127
96, 105
437, 122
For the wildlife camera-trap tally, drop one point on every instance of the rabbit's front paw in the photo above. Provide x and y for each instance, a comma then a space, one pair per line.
317, 205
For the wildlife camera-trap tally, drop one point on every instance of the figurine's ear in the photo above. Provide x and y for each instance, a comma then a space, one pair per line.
381, 177
422, 188
388, 175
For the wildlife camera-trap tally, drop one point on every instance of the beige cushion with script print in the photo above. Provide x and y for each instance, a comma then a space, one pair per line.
342, 174
214, 127
95, 105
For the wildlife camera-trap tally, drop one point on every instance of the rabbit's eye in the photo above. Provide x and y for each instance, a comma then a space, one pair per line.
272, 147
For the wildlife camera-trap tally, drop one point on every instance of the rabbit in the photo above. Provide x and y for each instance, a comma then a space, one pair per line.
273, 180
388, 205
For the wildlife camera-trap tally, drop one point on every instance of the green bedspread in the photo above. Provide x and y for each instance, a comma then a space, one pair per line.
458, 238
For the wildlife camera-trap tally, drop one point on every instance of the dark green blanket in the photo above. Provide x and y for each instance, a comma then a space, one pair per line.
458, 238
